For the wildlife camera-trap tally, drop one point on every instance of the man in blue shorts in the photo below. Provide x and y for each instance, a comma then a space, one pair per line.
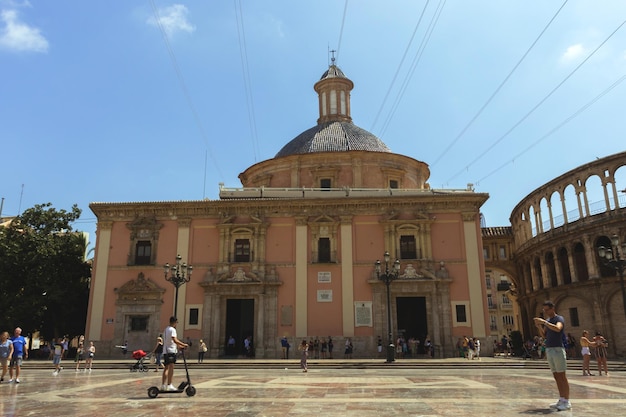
553, 329
19, 352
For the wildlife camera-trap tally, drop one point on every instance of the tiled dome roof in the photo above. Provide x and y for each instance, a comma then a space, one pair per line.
333, 137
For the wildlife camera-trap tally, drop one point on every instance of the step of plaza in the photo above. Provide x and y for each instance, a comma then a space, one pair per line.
236, 363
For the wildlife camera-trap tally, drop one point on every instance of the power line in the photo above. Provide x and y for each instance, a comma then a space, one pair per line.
557, 127
395, 76
456, 139
519, 122
416, 60
343, 20
241, 34
183, 85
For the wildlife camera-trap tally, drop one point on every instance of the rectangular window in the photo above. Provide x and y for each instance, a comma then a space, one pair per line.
488, 282
573, 317
461, 315
194, 318
408, 249
242, 250
490, 301
138, 323
393, 184
493, 323
325, 183
502, 252
323, 249
486, 253
143, 252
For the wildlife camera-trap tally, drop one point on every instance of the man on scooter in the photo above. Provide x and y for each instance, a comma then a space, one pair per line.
170, 348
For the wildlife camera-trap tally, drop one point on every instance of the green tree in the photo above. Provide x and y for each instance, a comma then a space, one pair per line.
44, 278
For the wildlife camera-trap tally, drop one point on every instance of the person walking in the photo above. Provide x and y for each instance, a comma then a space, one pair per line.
304, 354
59, 350
585, 344
158, 353
91, 352
6, 352
20, 352
201, 351
170, 347
553, 329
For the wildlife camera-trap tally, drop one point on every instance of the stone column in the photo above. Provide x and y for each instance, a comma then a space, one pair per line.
99, 282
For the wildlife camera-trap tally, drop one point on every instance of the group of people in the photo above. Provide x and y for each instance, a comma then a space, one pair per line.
12, 351
468, 347
599, 345
322, 349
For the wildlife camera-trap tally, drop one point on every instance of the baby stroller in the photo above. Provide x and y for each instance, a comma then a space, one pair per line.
140, 365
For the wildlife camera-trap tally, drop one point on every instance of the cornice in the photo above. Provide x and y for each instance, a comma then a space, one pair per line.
179, 210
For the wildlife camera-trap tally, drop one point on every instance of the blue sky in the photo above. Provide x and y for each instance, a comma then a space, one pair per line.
96, 104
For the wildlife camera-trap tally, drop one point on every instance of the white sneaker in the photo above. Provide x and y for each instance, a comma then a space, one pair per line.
163, 387
55, 373
17, 380
555, 406
565, 405
171, 387
10, 380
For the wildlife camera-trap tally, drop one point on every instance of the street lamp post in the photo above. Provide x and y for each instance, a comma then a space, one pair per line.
387, 276
616, 259
179, 274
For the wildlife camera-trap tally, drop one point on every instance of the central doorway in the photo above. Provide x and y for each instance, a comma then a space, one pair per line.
411, 318
239, 325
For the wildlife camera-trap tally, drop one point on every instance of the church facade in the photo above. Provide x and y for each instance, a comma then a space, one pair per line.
292, 252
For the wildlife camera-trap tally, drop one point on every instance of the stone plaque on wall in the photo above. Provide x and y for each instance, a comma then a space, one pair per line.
286, 315
323, 277
324, 296
363, 314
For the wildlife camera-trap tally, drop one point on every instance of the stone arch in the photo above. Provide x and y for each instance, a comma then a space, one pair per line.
594, 192
551, 269
563, 257
538, 273
580, 262
570, 203
558, 217
532, 219
620, 186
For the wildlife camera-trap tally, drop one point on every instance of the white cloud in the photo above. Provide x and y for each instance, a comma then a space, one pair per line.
18, 36
173, 19
573, 52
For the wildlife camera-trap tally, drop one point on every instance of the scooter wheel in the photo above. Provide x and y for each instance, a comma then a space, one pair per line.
190, 391
153, 392
145, 369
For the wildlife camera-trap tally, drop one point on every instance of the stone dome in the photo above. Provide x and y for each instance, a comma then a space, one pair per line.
335, 131
335, 136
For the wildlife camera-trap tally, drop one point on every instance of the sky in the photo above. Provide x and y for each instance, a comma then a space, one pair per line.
155, 100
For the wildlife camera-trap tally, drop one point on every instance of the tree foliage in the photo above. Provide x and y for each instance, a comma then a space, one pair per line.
44, 278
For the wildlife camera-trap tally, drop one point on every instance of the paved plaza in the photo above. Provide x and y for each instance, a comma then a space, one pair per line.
451, 387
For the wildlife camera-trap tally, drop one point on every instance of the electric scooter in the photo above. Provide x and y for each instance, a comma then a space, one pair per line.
185, 386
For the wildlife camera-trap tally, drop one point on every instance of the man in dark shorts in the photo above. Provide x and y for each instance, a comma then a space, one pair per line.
170, 349
553, 329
